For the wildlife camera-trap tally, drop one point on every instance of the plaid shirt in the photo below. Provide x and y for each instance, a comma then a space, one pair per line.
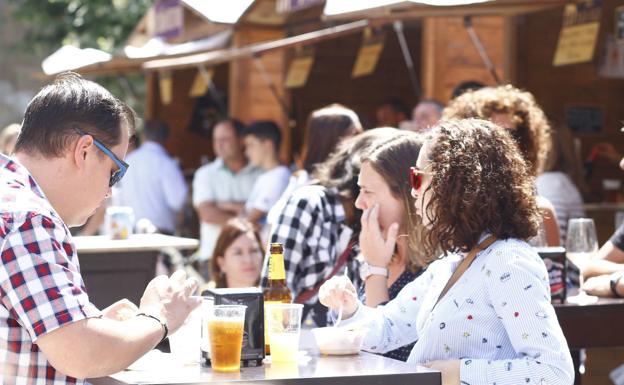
40, 284
313, 231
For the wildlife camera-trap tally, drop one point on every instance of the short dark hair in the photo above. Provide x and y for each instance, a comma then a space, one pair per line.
237, 125
68, 103
265, 130
465, 86
397, 106
156, 130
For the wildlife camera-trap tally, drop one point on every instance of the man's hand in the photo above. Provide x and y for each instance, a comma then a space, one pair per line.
121, 310
449, 369
599, 285
169, 299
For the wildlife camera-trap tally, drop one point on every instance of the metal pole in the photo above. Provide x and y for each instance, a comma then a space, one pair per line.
480, 48
409, 63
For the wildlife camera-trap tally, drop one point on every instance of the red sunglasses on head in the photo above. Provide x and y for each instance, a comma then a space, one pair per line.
416, 177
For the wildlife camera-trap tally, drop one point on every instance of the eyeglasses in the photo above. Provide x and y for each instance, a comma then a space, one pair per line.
416, 177
123, 166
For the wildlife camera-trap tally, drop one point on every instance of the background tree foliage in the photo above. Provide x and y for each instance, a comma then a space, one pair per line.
101, 24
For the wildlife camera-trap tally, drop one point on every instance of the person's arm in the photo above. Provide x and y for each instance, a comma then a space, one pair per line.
104, 346
522, 303
389, 326
610, 257
209, 212
255, 215
204, 199
549, 218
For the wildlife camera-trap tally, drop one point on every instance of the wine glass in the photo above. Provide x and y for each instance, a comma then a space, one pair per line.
581, 246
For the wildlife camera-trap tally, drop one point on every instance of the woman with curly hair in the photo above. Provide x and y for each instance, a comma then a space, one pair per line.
518, 112
481, 313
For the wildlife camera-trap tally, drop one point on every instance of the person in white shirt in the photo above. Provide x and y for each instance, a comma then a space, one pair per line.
154, 186
221, 188
481, 314
262, 143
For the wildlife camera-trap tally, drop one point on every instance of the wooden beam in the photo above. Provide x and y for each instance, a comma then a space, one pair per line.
226, 55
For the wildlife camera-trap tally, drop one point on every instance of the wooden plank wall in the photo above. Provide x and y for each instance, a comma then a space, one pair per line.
449, 56
250, 97
330, 78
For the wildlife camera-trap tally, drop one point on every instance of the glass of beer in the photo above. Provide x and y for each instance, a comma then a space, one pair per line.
225, 332
284, 322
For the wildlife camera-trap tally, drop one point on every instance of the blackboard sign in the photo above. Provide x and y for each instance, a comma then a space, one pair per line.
584, 118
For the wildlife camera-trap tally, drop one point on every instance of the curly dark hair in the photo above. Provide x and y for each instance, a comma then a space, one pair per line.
480, 183
532, 130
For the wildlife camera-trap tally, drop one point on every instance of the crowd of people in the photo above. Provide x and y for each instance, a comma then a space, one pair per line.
432, 216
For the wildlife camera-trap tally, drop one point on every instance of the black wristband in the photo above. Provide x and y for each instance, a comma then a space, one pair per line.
164, 325
613, 282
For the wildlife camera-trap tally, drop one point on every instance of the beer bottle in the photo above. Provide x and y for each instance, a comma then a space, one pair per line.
275, 290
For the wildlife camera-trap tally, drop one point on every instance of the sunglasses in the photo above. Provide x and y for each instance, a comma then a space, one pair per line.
416, 177
122, 166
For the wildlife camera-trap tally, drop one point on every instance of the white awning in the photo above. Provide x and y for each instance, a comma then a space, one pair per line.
342, 9
159, 47
69, 58
219, 11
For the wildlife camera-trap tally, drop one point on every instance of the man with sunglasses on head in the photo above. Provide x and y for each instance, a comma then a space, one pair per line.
67, 157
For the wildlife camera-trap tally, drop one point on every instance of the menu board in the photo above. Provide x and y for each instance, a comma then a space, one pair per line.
585, 119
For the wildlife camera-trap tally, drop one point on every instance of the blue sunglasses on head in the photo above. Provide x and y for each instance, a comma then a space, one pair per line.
123, 166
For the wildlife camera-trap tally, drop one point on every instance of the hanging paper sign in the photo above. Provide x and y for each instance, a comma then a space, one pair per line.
165, 86
168, 18
201, 83
284, 6
577, 40
369, 54
300, 68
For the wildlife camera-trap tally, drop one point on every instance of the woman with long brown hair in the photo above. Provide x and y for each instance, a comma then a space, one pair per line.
481, 313
237, 257
386, 200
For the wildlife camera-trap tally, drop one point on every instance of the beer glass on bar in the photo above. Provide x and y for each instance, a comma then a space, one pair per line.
225, 332
284, 322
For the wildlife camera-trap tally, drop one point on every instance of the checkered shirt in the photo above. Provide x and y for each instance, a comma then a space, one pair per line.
40, 283
312, 229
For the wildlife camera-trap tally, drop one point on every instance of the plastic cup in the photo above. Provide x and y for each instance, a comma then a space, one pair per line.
225, 332
185, 342
284, 323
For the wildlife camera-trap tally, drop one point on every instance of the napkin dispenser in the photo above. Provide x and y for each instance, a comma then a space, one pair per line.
253, 334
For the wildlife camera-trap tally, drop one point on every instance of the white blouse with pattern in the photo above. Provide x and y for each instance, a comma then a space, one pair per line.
497, 319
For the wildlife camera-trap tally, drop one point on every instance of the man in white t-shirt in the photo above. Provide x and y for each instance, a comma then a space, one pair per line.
262, 141
221, 188
155, 188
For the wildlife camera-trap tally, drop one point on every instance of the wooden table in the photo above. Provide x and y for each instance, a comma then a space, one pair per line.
596, 325
116, 269
311, 369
